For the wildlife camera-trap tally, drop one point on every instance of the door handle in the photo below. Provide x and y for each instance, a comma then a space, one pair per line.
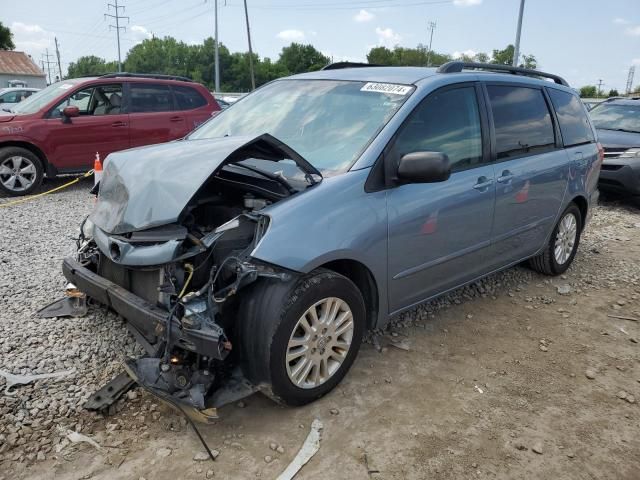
119, 124
506, 177
176, 119
483, 183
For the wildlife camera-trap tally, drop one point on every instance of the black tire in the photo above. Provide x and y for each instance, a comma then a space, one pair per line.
546, 261
36, 178
268, 315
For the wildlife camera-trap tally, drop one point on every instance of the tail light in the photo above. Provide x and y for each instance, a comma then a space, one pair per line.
600, 153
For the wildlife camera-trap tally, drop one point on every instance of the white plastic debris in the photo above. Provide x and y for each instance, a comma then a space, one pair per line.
75, 437
478, 389
309, 448
13, 380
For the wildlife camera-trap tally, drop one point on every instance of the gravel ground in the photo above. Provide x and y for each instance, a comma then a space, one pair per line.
38, 234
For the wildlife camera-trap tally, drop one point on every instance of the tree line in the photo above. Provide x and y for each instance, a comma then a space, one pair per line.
172, 57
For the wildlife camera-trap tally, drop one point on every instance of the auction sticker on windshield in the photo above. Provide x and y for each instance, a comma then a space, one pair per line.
386, 88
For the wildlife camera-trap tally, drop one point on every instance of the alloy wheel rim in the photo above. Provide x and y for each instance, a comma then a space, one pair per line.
565, 238
17, 173
319, 343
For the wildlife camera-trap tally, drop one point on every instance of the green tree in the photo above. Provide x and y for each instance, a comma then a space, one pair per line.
613, 93
380, 56
90, 65
505, 57
6, 38
298, 58
481, 57
588, 91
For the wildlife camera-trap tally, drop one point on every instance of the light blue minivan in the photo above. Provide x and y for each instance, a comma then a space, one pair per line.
253, 254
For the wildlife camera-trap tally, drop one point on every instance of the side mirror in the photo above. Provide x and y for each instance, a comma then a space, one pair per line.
71, 111
424, 167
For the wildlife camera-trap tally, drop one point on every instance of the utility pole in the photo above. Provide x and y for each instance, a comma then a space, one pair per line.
599, 87
117, 26
216, 56
432, 27
246, 16
632, 71
58, 55
48, 62
516, 51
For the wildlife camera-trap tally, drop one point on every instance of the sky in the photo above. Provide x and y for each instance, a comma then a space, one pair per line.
582, 40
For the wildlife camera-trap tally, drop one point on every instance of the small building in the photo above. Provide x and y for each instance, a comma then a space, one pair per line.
17, 69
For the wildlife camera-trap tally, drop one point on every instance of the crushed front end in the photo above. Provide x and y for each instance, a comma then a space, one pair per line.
179, 284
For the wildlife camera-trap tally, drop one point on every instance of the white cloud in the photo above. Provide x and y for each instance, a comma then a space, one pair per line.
364, 16
466, 3
635, 61
387, 37
466, 53
33, 40
621, 21
634, 31
140, 33
291, 35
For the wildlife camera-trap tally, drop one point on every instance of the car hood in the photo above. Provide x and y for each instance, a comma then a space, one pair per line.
615, 139
150, 186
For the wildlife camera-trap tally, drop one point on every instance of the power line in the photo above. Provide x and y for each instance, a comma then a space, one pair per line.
48, 63
432, 27
117, 26
253, 78
342, 6
516, 51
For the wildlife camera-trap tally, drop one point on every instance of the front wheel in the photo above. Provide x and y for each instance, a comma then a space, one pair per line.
563, 244
21, 171
299, 340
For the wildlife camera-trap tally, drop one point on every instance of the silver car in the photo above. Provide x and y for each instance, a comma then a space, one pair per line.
14, 95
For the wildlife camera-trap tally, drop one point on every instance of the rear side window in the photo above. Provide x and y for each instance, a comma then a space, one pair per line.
447, 122
188, 98
572, 116
150, 98
522, 121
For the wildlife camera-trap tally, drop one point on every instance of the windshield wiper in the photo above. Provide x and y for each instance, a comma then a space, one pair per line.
619, 130
271, 176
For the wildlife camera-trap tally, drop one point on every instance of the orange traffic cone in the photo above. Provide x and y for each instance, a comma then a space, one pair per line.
97, 169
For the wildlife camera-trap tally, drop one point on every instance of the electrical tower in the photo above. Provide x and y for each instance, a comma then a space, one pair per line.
47, 62
117, 26
432, 27
632, 71
599, 87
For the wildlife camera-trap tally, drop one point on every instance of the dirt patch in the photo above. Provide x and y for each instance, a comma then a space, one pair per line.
495, 384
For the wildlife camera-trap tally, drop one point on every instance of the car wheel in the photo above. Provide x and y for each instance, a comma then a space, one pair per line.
21, 171
300, 338
563, 244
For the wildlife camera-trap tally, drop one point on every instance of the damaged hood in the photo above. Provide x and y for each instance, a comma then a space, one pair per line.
150, 186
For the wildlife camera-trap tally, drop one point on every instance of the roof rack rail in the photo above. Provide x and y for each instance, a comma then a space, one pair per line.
340, 65
457, 67
156, 76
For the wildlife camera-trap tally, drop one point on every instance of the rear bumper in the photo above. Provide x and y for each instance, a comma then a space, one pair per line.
620, 177
149, 319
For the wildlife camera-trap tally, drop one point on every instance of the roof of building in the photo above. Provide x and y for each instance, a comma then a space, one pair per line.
18, 63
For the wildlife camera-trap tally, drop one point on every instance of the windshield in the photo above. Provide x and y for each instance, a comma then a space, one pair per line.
616, 117
329, 123
39, 99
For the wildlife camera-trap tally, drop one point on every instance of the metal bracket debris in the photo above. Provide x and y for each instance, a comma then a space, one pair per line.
73, 304
13, 380
309, 448
110, 393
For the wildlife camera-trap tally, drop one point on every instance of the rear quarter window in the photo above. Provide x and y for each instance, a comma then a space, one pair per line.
150, 98
572, 117
188, 98
522, 121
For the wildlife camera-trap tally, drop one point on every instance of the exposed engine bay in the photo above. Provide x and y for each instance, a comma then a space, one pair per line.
179, 285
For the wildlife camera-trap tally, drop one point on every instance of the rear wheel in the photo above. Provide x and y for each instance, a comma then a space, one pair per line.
299, 340
563, 244
21, 171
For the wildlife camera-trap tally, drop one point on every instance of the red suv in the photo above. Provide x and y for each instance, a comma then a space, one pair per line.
60, 129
